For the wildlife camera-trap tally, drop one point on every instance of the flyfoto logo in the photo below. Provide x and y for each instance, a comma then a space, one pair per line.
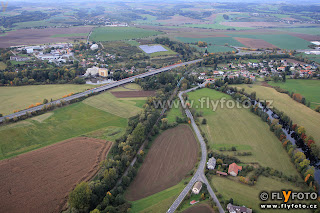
285, 196
4, 6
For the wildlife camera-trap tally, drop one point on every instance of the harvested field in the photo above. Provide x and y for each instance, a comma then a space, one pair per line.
307, 37
255, 43
40, 181
40, 36
177, 20
252, 24
173, 154
202, 208
132, 94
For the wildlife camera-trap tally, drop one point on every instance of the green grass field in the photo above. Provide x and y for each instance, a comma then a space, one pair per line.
212, 41
18, 98
239, 127
173, 113
122, 107
163, 53
249, 195
307, 88
305, 30
120, 33
159, 202
312, 57
67, 122
2, 66
299, 113
283, 41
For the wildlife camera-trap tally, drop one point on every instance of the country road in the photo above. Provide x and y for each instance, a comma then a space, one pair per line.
101, 88
199, 175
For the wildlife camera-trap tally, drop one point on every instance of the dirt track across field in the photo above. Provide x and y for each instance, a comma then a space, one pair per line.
40, 36
133, 94
201, 208
40, 181
172, 155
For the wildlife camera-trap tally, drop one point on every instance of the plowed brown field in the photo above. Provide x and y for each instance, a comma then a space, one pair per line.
255, 43
40, 36
173, 154
40, 181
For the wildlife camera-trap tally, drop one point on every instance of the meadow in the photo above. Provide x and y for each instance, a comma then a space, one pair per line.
159, 202
163, 53
18, 98
174, 113
249, 195
120, 33
240, 128
212, 41
307, 88
299, 113
122, 107
67, 122
283, 41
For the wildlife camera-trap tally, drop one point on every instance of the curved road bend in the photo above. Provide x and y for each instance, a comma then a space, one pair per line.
199, 175
101, 88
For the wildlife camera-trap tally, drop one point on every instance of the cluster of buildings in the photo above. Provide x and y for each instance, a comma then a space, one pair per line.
262, 69
233, 170
56, 53
96, 71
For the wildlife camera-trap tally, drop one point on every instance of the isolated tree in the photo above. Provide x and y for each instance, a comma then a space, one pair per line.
45, 101
79, 198
204, 121
202, 196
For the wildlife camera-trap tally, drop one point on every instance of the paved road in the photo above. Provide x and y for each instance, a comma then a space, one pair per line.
199, 175
101, 88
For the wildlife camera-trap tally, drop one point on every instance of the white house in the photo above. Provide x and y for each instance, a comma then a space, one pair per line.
211, 164
94, 47
197, 187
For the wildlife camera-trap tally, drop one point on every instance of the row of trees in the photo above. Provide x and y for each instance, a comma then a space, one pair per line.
104, 194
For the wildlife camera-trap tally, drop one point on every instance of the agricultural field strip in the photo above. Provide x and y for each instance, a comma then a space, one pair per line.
101, 88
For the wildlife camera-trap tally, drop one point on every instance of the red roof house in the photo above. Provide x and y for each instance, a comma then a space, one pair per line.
234, 169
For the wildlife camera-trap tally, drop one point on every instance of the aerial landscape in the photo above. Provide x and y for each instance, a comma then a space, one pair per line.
172, 106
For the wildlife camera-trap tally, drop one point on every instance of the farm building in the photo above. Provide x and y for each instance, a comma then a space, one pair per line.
238, 209
197, 187
234, 169
222, 173
211, 164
